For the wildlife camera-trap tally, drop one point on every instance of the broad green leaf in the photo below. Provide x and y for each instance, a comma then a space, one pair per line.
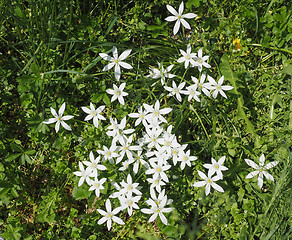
12, 157
81, 192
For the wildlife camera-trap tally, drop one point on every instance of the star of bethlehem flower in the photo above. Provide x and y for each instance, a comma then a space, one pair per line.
208, 182
59, 118
126, 148
175, 90
156, 183
157, 209
202, 86
128, 188
118, 130
109, 215
116, 61
218, 88
156, 113
179, 17
186, 159
187, 57
161, 73
118, 93
261, 169
96, 185
109, 153
158, 171
201, 60
161, 196
216, 167
93, 114
140, 116
129, 202
94, 165
192, 93
84, 174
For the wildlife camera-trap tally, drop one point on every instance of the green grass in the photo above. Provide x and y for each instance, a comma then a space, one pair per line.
50, 55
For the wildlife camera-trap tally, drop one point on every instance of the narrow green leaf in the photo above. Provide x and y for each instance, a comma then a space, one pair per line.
230, 75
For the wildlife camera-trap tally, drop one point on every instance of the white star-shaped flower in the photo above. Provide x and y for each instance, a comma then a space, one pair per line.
59, 118
109, 215
261, 169
216, 167
179, 17
116, 61
218, 88
201, 60
93, 113
118, 93
157, 209
208, 182
202, 86
187, 57
192, 92
175, 90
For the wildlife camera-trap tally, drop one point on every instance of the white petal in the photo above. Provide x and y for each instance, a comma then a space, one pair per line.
153, 217
271, 164
217, 187
202, 175
102, 220
109, 224
199, 184
125, 54
118, 220
185, 23
181, 8
251, 163
172, 10
66, 126
105, 56
176, 27
62, 109
57, 126
262, 160
252, 174
108, 66
189, 15
85, 109
207, 189
54, 113
108, 205
171, 18
51, 120
268, 176
125, 65
163, 218
67, 117
260, 180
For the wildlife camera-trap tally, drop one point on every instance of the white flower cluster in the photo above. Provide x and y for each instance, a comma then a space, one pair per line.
156, 150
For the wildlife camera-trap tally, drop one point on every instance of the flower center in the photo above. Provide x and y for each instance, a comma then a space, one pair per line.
199, 60
116, 61
59, 119
118, 92
261, 170
218, 87
209, 180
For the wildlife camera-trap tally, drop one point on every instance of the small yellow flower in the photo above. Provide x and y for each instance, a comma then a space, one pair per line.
236, 43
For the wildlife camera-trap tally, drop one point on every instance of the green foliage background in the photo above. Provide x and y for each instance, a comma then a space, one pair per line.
49, 55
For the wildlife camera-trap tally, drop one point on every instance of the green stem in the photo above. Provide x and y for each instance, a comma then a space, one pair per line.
192, 108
